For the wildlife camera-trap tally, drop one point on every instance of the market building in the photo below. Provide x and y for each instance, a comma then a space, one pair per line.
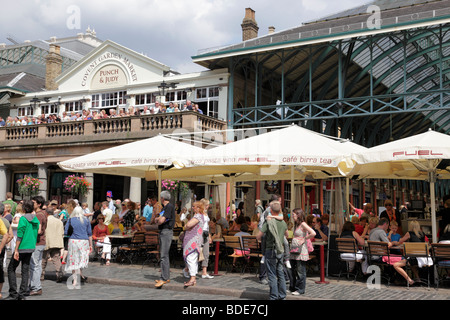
371, 74
67, 77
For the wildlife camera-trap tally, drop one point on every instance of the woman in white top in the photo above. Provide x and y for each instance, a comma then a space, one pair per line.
206, 241
299, 251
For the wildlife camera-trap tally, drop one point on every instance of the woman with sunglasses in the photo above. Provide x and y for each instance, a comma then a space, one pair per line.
390, 212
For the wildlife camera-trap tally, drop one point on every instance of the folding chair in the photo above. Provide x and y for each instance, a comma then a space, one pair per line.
347, 250
132, 251
252, 244
441, 259
151, 248
232, 246
376, 251
417, 250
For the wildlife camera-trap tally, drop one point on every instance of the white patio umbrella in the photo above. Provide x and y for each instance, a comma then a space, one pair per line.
419, 157
136, 159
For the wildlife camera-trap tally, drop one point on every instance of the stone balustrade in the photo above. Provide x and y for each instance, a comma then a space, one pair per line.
120, 128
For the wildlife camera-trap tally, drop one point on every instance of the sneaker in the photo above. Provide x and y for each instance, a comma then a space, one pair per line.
295, 293
207, 276
186, 274
264, 281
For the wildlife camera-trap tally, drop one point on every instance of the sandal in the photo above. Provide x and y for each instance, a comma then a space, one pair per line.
107, 262
190, 283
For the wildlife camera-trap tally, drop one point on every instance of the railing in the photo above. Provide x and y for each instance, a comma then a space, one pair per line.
135, 127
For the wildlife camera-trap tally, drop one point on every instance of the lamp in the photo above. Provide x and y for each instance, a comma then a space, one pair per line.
244, 187
34, 101
164, 86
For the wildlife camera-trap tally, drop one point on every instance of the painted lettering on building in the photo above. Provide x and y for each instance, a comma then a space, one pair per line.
113, 57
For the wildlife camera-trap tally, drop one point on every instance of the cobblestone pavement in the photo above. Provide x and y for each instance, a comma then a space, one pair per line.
134, 282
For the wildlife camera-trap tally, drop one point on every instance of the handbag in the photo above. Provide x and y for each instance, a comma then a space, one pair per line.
69, 229
201, 257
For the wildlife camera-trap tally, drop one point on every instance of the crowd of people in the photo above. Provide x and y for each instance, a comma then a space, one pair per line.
366, 225
94, 114
39, 231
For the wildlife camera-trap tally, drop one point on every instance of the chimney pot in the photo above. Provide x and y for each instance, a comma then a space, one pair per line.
249, 26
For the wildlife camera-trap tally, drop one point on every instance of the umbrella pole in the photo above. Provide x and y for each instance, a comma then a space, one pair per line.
292, 189
433, 210
347, 196
159, 182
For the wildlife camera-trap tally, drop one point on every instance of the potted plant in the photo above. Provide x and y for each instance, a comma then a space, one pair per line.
176, 187
28, 185
77, 185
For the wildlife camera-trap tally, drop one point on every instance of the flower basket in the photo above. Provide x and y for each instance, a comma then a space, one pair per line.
29, 186
176, 187
76, 185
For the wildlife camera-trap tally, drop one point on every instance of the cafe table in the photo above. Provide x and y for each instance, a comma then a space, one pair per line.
119, 239
322, 261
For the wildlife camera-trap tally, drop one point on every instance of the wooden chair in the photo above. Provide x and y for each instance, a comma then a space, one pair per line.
440, 253
132, 251
232, 243
348, 246
255, 254
151, 247
376, 250
417, 250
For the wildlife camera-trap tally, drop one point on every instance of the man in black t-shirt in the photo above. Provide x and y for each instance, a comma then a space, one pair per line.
165, 222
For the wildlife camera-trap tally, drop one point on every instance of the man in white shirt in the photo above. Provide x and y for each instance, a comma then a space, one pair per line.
107, 212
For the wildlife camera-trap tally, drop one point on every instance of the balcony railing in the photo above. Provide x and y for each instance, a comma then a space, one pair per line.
121, 128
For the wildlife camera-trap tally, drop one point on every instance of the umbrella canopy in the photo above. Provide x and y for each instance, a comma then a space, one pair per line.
423, 156
277, 151
136, 158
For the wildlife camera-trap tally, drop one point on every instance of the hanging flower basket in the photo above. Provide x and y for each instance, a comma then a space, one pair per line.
29, 186
175, 186
76, 185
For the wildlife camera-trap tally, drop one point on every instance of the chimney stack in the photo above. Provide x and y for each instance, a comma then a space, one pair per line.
249, 26
271, 29
53, 67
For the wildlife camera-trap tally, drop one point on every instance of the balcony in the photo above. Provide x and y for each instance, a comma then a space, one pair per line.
55, 142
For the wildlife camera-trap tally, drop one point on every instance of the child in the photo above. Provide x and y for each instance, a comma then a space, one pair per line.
393, 236
87, 213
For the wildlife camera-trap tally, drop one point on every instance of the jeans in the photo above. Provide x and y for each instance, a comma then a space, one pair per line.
299, 276
2, 274
275, 275
25, 259
165, 241
36, 268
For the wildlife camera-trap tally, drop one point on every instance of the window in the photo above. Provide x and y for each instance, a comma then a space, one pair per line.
140, 99
49, 109
95, 101
109, 99
145, 98
25, 111
74, 106
202, 93
208, 101
213, 92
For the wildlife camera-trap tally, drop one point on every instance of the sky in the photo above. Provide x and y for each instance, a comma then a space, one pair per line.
169, 31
